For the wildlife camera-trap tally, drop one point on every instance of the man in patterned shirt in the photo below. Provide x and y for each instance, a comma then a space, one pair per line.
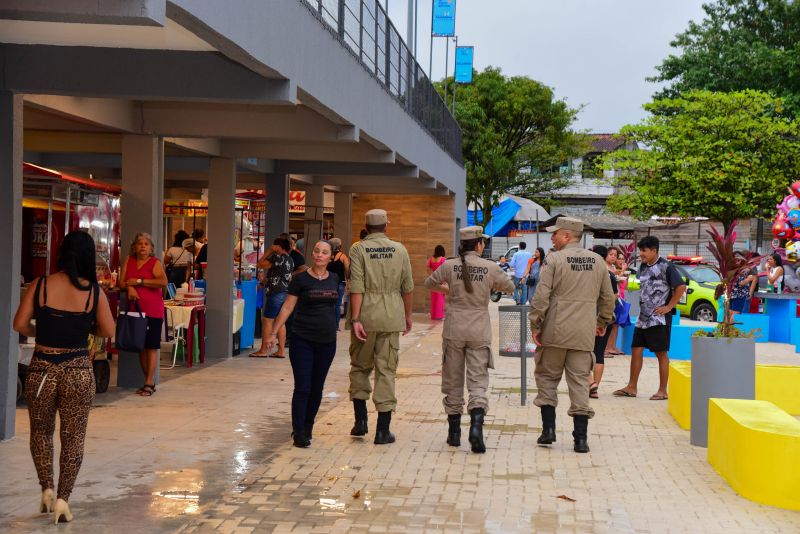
661, 288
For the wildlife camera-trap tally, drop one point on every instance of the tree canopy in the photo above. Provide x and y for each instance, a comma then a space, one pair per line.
741, 44
719, 155
516, 136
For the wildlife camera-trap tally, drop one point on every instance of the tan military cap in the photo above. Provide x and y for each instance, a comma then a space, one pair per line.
377, 217
472, 232
567, 223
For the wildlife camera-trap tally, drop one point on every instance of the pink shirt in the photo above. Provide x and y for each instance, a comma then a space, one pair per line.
149, 297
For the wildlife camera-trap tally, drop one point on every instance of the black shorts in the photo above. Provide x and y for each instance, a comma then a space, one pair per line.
153, 338
655, 338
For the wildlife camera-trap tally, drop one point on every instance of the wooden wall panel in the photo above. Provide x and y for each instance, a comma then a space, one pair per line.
420, 222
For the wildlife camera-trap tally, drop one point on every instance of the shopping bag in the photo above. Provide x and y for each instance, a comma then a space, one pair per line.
622, 312
131, 329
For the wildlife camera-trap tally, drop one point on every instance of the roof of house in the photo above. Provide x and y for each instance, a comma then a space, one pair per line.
606, 142
609, 222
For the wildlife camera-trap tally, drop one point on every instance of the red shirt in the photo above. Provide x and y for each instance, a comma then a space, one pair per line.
149, 297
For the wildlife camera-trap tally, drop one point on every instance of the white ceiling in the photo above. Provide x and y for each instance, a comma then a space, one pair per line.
170, 37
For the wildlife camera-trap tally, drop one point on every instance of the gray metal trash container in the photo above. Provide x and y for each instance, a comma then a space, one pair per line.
515, 340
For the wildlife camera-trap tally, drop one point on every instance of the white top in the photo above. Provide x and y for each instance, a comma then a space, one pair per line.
779, 281
178, 256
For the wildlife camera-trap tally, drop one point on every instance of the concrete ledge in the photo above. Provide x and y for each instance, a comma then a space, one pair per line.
679, 403
777, 384
755, 447
754, 321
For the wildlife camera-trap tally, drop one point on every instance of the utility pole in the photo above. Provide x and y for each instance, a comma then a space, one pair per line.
410, 36
455, 66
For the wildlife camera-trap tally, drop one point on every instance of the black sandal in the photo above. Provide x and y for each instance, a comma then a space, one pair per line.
146, 390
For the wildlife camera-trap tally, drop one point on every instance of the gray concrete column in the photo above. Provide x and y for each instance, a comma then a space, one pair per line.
315, 214
277, 208
221, 223
142, 189
11, 244
343, 218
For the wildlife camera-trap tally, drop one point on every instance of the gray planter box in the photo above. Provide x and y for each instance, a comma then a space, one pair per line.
721, 368
632, 297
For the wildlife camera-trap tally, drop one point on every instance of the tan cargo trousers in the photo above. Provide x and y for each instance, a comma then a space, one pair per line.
379, 352
460, 358
551, 364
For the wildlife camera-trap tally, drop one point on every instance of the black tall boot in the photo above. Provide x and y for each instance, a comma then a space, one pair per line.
454, 429
476, 430
382, 433
548, 425
360, 410
581, 423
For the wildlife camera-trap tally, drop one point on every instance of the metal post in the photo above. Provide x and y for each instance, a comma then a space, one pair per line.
340, 23
49, 233
410, 24
430, 59
66, 211
537, 227
446, 65
416, 12
454, 78
523, 345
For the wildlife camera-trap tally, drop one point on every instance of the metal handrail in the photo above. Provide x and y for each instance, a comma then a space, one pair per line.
364, 29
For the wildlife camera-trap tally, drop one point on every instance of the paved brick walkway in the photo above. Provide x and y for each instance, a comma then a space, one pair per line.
641, 476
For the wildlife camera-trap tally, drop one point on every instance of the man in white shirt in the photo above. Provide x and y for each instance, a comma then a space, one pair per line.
519, 262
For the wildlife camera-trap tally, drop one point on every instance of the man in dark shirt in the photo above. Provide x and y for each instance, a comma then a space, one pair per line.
661, 288
199, 260
297, 256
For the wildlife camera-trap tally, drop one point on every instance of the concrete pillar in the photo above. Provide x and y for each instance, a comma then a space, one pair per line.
11, 245
277, 208
343, 218
142, 189
221, 223
315, 214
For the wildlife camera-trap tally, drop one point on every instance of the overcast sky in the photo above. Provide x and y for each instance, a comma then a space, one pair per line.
595, 53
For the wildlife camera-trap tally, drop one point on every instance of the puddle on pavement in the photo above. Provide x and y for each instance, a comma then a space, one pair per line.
510, 428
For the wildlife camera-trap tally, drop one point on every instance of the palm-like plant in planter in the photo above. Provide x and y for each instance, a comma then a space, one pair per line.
730, 266
723, 364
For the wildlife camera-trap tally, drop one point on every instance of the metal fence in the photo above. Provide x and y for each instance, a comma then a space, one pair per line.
364, 29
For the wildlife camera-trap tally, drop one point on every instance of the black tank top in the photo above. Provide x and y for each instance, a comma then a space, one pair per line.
337, 267
61, 329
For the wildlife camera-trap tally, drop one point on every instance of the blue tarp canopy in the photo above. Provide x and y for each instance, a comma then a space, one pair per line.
512, 212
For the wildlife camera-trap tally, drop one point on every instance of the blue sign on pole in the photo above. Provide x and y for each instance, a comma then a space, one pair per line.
464, 57
444, 18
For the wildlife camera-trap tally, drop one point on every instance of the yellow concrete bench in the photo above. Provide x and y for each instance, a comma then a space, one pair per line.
779, 384
755, 446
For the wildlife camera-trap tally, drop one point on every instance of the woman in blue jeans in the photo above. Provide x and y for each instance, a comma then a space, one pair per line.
312, 297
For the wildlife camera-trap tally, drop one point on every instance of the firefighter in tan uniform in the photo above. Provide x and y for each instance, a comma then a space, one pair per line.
467, 337
573, 303
381, 287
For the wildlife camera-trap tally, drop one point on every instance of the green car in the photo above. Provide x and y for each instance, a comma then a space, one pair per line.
698, 303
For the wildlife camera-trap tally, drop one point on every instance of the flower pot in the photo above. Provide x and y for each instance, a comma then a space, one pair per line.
632, 297
721, 368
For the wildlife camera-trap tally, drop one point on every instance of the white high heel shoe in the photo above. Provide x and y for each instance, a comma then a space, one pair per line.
48, 500
62, 513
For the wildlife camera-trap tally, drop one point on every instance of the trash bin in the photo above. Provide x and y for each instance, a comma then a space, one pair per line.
514, 327
515, 340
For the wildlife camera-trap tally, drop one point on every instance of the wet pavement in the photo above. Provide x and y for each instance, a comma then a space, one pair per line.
211, 452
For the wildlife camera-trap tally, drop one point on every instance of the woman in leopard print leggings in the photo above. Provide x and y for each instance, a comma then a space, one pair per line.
60, 377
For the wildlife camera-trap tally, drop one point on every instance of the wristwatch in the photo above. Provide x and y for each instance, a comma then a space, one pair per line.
139, 282
356, 320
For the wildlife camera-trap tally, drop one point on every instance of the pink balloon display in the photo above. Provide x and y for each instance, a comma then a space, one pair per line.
790, 202
796, 188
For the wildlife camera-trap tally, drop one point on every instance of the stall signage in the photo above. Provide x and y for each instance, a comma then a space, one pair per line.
39, 241
185, 208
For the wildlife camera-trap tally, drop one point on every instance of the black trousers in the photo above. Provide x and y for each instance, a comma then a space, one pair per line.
310, 364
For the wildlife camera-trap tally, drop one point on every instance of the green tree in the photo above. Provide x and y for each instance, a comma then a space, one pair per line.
741, 44
718, 155
516, 136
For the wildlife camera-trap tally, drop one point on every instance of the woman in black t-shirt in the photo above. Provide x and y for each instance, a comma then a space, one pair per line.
312, 297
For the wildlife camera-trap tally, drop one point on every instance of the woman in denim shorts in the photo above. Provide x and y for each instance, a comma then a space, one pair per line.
279, 267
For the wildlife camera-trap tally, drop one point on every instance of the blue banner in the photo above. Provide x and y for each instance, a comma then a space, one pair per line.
464, 56
443, 23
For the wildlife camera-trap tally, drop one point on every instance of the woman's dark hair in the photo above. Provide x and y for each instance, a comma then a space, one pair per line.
600, 250
468, 245
198, 234
76, 258
541, 254
363, 233
777, 259
283, 243
180, 235
439, 252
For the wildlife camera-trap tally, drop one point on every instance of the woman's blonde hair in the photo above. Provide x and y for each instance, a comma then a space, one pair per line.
137, 237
